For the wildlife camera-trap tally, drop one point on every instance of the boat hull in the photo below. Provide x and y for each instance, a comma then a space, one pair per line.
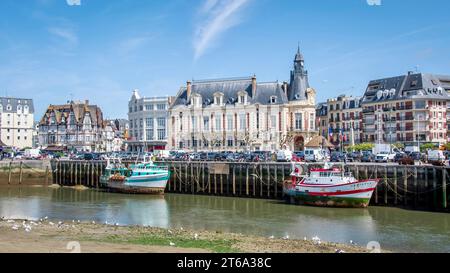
352, 195
155, 184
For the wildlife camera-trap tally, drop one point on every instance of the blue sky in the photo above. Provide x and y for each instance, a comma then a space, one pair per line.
101, 50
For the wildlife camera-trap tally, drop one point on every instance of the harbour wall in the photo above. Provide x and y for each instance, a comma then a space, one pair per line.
27, 173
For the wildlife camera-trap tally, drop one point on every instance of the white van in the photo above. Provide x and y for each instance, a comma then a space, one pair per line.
436, 157
284, 156
315, 155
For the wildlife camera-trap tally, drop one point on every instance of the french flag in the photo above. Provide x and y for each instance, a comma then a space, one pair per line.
330, 131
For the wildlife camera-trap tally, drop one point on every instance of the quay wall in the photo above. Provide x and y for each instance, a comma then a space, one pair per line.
414, 187
27, 173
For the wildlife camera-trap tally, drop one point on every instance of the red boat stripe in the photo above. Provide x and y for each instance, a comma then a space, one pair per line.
331, 186
339, 193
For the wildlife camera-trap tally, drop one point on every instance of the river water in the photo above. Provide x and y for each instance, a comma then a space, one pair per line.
395, 229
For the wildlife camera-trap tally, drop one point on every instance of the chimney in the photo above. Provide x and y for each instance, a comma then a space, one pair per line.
254, 86
189, 89
86, 102
285, 88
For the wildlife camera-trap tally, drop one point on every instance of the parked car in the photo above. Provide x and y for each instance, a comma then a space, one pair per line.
436, 157
406, 160
399, 156
417, 156
356, 156
315, 155
384, 157
335, 157
367, 157
284, 156
91, 156
300, 155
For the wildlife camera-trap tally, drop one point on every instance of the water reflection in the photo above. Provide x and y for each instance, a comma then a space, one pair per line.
395, 229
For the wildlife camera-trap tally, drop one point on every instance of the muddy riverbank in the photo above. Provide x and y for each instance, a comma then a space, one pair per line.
48, 236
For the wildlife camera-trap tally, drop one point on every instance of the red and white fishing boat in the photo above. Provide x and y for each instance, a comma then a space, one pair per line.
329, 187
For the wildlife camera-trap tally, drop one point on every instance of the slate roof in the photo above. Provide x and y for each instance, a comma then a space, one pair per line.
14, 102
230, 89
296, 89
419, 85
79, 109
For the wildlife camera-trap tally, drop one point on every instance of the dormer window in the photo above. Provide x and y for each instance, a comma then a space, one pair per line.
218, 98
273, 99
196, 100
242, 97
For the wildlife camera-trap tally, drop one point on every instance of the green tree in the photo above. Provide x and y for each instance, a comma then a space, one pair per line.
428, 146
361, 147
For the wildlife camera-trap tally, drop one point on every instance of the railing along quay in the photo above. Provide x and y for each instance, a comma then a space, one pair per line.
419, 187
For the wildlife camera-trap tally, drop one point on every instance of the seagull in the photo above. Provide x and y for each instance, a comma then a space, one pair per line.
73, 221
46, 217
51, 223
286, 237
10, 221
196, 236
305, 239
28, 229
316, 240
272, 237
170, 231
79, 221
93, 222
171, 244
15, 227
60, 223
116, 224
181, 228
339, 251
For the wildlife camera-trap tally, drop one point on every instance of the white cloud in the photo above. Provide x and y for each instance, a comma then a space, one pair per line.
131, 44
65, 34
217, 17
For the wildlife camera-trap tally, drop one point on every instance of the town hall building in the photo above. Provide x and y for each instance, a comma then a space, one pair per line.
242, 114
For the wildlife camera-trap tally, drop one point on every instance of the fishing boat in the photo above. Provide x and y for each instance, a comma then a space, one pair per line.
145, 178
329, 187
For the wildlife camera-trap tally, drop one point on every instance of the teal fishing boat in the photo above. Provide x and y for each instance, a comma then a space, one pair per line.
145, 178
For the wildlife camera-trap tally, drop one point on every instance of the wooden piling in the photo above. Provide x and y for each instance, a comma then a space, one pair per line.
435, 188
247, 180
10, 173
395, 187
444, 188
268, 180
376, 189
385, 185
405, 186
416, 190
46, 175
234, 180
21, 173
260, 180
276, 182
